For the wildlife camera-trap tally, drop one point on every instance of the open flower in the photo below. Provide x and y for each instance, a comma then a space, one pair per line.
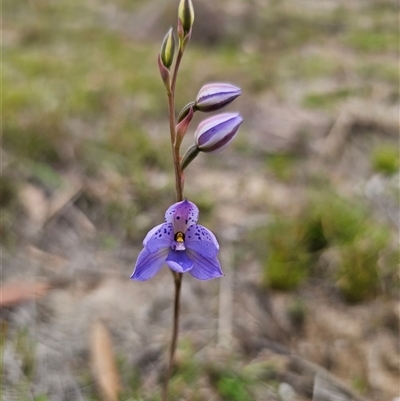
180, 243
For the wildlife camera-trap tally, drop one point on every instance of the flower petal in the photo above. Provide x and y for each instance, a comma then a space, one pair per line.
182, 215
204, 268
202, 241
159, 237
179, 261
149, 264
151, 233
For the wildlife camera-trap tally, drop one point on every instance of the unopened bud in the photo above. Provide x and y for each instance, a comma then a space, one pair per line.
215, 133
168, 49
215, 96
186, 15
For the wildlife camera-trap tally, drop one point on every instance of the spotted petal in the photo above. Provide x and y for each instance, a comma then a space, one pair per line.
179, 261
159, 237
204, 268
149, 264
202, 241
182, 215
150, 234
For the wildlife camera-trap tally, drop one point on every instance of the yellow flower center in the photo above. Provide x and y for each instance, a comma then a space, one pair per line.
180, 236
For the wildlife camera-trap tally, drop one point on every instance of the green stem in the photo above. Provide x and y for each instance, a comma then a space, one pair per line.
176, 69
175, 148
172, 128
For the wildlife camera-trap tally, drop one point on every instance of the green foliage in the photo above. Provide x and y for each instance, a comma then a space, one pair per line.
282, 165
264, 371
286, 28
314, 236
138, 149
36, 141
329, 99
41, 398
188, 368
375, 30
89, 81
340, 220
358, 276
307, 67
359, 239
374, 41
109, 242
282, 253
385, 159
25, 349
8, 192
233, 389
379, 70
389, 273
43, 173
360, 384
186, 381
287, 263
289, 246
9, 205
297, 312
230, 385
131, 380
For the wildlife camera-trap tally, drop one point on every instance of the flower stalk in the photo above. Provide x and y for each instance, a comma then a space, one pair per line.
179, 242
179, 197
175, 331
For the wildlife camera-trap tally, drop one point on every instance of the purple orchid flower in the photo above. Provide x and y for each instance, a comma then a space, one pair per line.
180, 243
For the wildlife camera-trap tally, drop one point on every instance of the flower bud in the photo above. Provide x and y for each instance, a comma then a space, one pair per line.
186, 15
215, 133
168, 49
215, 96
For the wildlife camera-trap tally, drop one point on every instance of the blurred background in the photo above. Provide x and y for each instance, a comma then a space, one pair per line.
305, 203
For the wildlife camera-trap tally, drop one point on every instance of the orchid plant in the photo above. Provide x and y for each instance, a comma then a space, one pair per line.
179, 242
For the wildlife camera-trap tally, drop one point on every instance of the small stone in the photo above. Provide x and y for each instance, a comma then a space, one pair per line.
286, 392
